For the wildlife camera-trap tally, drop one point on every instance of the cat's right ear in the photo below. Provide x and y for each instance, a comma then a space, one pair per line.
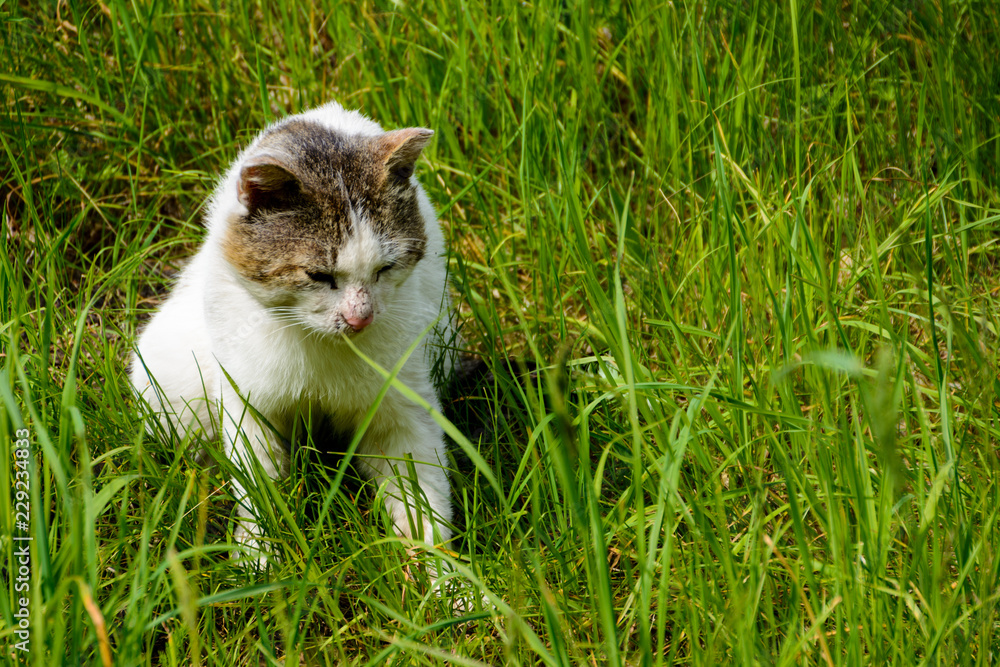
265, 183
401, 148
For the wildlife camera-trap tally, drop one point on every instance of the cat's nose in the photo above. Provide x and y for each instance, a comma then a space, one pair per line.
359, 323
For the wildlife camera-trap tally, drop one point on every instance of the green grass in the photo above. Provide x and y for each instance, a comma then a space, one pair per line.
731, 266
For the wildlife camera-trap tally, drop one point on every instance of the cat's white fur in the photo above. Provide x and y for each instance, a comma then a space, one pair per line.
215, 319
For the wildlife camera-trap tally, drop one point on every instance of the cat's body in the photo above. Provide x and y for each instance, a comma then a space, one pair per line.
318, 232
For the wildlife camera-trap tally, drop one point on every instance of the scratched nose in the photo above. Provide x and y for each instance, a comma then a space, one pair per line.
357, 308
359, 323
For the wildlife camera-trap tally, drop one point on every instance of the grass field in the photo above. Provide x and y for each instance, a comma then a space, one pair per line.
731, 268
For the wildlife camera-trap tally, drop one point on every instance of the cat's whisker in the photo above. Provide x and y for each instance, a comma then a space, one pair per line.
289, 325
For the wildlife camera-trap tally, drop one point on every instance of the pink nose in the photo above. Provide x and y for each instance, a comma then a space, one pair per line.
359, 323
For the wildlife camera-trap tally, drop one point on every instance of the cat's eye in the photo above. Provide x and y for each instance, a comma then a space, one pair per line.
321, 277
385, 269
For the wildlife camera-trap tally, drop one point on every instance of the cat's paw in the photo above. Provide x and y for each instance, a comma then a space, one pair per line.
452, 585
249, 552
465, 597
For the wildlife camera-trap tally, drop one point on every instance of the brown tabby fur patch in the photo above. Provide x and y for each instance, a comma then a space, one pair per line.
304, 228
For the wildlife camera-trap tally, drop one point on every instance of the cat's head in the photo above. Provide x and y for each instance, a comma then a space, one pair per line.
328, 226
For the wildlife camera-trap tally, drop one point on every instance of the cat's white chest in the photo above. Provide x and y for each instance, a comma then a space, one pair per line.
281, 365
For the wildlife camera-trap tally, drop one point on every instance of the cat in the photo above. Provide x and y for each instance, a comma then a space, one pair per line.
318, 234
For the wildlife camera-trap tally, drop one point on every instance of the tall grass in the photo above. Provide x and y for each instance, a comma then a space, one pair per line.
731, 268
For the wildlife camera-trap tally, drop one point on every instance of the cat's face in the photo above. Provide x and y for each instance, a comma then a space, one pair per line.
328, 227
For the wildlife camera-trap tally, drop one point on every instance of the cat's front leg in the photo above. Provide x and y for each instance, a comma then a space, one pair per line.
247, 442
417, 494
407, 454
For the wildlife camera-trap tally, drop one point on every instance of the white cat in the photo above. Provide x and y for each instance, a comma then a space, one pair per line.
319, 232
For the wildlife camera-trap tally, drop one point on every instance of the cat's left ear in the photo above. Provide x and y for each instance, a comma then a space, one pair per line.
266, 183
401, 148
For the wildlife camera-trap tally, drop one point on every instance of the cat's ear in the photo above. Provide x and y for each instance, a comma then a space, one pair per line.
401, 148
265, 183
